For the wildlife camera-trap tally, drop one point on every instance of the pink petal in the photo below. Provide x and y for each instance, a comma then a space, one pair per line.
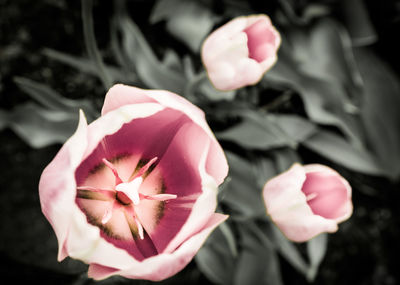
120, 95
57, 189
164, 265
162, 126
203, 207
261, 40
333, 192
290, 198
159, 129
300, 228
179, 170
104, 127
283, 192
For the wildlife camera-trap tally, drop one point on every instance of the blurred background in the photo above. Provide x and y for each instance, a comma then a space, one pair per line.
332, 98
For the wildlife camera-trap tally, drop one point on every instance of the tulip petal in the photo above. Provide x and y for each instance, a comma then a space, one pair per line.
163, 265
120, 95
296, 201
240, 52
178, 168
57, 192
333, 200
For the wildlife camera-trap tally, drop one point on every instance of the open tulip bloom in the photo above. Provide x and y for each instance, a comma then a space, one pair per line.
308, 200
240, 52
134, 192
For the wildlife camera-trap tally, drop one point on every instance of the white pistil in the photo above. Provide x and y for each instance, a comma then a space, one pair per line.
139, 227
131, 189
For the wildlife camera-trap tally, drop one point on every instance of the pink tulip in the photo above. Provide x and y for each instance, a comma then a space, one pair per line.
308, 200
134, 192
240, 52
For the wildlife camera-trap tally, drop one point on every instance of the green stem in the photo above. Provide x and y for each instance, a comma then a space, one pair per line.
90, 42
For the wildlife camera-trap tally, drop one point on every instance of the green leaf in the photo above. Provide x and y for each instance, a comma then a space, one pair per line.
380, 110
296, 127
337, 149
188, 21
87, 66
287, 249
243, 194
229, 237
319, 64
3, 119
358, 23
91, 45
40, 127
52, 100
316, 249
258, 262
256, 131
140, 55
215, 259
285, 158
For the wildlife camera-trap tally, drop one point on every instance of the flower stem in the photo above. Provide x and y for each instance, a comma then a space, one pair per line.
90, 42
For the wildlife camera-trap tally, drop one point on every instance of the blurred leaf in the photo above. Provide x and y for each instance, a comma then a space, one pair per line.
188, 21
40, 127
229, 237
337, 149
258, 262
212, 94
171, 60
296, 127
243, 195
264, 169
91, 45
358, 23
3, 119
52, 100
316, 249
318, 63
284, 158
199, 86
287, 249
215, 259
87, 66
315, 10
256, 131
380, 110
149, 69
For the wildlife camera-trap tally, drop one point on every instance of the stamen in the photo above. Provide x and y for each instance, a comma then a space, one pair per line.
118, 180
311, 196
94, 193
139, 226
158, 197
144, 168
131, 189
131, 212
108, 214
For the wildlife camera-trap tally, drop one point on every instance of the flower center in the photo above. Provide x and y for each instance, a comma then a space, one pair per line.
125, 194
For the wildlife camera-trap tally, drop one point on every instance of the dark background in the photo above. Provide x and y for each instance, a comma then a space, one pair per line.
364, 251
